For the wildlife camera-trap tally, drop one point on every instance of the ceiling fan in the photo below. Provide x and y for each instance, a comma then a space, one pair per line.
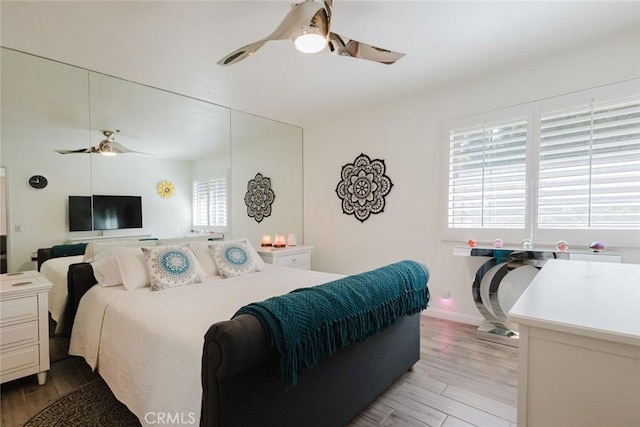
107, 147
307, 24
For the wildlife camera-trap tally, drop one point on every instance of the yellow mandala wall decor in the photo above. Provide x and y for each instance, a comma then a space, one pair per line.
166, 189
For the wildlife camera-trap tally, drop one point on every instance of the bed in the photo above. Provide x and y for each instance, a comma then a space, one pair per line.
54, 264
176, 353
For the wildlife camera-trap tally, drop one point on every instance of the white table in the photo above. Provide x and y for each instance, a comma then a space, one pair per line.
24, 327
290, 256
500, 281
580, 345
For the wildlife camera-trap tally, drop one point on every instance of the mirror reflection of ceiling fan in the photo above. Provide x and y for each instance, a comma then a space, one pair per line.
107, 147
307, 24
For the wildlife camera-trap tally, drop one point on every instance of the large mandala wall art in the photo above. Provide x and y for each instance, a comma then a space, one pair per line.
259, 197
363, 187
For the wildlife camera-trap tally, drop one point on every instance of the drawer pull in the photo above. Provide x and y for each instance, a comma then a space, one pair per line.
293, 260
22, 283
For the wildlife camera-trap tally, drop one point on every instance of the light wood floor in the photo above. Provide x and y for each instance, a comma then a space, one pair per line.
459, 382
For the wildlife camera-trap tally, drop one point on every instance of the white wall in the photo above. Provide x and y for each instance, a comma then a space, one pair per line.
407, 134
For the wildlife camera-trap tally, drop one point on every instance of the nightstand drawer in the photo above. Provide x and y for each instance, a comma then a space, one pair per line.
20, 358
18, 309
21, 333
302, 260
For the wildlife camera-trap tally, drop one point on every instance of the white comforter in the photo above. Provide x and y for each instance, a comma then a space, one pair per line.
55, 270
148, 345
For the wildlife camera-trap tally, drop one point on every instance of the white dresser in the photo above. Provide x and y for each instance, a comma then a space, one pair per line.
292, 256
579, 359
24, 327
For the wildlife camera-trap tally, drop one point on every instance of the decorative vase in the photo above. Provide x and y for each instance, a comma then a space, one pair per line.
596, 246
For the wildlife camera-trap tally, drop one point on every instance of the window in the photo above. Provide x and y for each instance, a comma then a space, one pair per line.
210, 202
565, 168
487, 176
589, 167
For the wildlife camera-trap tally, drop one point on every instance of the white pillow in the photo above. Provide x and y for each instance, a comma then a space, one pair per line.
185, 239
233, 259
133, 267
98, 249
201, 251
107, 271
171, 266
204, 253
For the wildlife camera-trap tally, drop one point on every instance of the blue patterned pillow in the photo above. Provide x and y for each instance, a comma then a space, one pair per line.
233, 259
171, 266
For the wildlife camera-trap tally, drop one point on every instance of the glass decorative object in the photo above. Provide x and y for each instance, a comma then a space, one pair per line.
527, 244
265, 241
498, 243
596, 246
279, 241
562, 246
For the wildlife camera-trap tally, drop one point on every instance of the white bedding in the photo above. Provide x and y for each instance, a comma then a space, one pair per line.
55, 270
148, 345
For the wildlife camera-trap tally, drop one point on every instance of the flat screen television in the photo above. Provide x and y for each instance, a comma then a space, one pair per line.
109, 212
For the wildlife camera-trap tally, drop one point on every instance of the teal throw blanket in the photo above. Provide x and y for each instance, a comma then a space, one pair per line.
310, 323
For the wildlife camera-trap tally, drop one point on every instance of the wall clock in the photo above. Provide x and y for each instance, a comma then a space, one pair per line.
38, 182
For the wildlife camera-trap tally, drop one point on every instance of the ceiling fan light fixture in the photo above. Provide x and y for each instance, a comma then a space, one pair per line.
106, 149
310, 41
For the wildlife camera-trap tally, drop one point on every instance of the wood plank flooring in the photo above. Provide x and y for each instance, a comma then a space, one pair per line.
459, 381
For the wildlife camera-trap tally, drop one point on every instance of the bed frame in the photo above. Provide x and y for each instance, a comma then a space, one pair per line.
45, 254
239, 371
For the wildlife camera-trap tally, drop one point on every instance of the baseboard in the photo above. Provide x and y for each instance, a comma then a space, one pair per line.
456, 317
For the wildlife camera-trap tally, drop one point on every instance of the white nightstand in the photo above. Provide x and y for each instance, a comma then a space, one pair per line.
292, 256
24, 328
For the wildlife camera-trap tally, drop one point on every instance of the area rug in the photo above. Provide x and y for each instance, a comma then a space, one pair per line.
91, 405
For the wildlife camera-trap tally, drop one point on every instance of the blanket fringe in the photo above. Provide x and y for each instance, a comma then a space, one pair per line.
308, 324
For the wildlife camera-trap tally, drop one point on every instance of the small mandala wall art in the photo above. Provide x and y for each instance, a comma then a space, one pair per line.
259, 197
166, 189
363, 187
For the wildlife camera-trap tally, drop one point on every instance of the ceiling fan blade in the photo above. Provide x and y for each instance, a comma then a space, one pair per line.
121, 149
301, 15
344, 46
81, 150
242, 53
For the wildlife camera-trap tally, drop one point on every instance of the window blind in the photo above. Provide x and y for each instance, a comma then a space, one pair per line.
210, 202
589, 167
487, 175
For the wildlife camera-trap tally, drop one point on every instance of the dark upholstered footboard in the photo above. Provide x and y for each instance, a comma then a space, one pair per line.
80, 279
241, 386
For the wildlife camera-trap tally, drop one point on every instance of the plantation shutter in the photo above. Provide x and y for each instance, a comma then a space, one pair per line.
218, 201
210, 202
487, 175
589, 167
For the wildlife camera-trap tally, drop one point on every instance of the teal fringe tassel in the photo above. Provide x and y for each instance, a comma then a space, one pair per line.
310, 323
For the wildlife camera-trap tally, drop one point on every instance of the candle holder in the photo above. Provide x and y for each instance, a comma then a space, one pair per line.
279, 241
265, 241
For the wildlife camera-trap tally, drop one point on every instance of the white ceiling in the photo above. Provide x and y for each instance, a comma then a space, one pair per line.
175, 45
